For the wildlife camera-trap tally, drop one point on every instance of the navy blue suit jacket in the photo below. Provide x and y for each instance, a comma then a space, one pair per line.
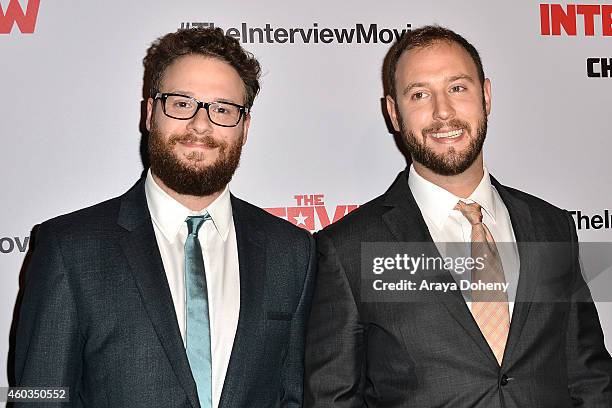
97, 313
428, 351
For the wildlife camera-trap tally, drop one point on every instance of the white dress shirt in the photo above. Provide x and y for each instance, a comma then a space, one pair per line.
220, 251
446, 224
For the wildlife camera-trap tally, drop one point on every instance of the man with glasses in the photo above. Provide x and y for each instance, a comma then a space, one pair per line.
177, 293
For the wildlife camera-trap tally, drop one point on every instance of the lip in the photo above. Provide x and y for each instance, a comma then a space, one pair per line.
447, 136
196, 145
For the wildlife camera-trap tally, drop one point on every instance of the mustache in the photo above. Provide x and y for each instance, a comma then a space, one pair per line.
453, 123
207, 140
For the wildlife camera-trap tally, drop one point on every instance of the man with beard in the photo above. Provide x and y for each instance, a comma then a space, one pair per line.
536, 343
177, 293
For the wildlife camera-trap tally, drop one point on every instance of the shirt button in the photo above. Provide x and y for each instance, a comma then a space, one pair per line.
504, 380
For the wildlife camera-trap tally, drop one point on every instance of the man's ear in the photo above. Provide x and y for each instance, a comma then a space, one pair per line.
486, 90
392, 111
245, 127
149, 113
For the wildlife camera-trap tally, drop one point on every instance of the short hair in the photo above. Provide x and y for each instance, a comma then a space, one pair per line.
423, 37
210, 42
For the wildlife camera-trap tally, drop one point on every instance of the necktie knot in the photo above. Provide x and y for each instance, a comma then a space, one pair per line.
195, 222
471, 211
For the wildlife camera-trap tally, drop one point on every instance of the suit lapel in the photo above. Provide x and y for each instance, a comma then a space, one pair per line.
252, 265
142, 253
405, 222
522, 224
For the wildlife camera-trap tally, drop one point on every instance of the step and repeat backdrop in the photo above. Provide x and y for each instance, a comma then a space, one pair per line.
71, 101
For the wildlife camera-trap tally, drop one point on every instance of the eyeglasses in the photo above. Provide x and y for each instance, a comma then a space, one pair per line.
184, 107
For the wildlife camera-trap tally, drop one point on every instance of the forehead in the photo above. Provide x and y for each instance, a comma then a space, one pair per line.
203, 77
434, 62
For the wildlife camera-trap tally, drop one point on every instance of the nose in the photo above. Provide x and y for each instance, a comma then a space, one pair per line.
200, 123
443, 108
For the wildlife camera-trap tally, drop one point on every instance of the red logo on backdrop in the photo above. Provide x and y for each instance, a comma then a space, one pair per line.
310, 212
555, 18
14, 14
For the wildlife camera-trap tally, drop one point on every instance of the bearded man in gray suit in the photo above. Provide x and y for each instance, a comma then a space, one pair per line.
177, 293
538, 344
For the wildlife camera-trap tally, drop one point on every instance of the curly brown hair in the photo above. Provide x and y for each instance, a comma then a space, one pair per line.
201, 41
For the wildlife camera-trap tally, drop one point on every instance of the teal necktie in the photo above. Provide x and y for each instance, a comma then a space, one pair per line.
198, 323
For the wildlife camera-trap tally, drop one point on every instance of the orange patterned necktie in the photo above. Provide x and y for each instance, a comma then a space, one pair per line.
489, 308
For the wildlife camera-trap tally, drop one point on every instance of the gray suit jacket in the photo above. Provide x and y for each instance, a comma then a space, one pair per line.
430, 352
97, 314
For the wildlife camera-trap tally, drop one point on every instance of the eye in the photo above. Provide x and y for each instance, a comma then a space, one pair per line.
418, 95
458, 88
223, 109
182, 103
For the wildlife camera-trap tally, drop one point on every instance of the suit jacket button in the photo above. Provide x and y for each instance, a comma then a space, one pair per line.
504, 380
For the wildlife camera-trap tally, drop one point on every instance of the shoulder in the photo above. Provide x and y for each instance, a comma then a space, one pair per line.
359, 221
287, 247
98, 217
98, 221
545, 217
275, 228
536, 205
71, 238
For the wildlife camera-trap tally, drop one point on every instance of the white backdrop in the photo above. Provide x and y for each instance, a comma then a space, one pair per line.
71, 92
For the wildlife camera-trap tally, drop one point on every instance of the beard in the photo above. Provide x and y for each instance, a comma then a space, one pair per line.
451, 162
192, 178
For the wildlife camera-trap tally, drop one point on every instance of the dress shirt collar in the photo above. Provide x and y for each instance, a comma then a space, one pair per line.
169, 215
436, 203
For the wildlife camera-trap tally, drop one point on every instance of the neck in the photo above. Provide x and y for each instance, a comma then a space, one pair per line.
461, 185
194, 203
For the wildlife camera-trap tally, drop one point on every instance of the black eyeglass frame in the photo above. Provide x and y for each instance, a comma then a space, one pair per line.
163, 96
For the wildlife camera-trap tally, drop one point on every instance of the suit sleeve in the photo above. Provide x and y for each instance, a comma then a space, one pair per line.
589, 363
334, 341
48, 344
293, 370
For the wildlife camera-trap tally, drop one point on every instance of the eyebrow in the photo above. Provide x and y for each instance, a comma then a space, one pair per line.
191, 95
225, 100
453, 78
180, 92
413, 85
460, 76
